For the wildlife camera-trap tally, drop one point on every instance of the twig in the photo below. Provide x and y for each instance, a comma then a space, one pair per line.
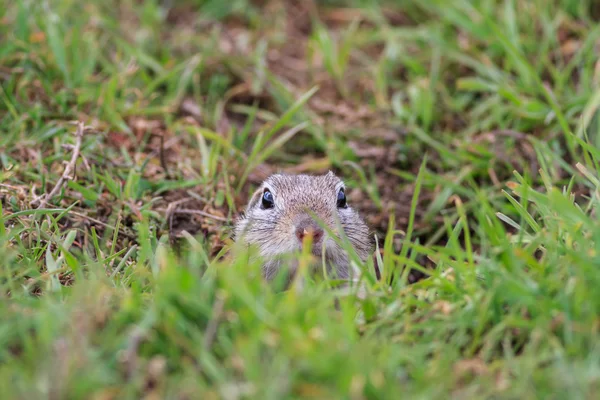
163, 161
194, 212
170, 214
83, 159
161, 151
15, 188
103, 224
68, 169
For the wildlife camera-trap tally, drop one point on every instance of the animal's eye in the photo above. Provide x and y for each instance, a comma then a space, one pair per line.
267, 200
341, 199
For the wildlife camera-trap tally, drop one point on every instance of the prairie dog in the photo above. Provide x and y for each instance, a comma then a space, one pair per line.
277, 220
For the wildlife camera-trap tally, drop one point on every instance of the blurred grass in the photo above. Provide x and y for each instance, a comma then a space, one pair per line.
467, 130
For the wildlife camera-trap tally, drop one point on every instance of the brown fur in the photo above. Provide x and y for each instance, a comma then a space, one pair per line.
273, 230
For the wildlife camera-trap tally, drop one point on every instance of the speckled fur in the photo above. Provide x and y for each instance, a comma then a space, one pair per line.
272, 230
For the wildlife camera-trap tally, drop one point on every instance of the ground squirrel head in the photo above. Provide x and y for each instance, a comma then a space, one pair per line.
278, 219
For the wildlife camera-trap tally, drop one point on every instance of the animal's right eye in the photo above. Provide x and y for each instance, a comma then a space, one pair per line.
267, 200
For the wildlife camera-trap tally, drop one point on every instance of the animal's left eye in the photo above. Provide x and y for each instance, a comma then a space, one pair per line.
341, 199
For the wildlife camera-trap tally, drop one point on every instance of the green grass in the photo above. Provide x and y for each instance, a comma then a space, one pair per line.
468, 133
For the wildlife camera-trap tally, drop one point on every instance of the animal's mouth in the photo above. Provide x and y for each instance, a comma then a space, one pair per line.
325, 251
324, 254
317, 247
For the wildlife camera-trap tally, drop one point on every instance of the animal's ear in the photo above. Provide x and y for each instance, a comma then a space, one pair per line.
334, 178
254, 199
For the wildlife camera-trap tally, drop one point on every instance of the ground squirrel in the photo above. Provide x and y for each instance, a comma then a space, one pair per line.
277, 219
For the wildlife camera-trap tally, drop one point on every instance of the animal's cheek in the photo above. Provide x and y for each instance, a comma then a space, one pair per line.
344, 216
336, 255
330, 244
284, 228
252, 238
332, 247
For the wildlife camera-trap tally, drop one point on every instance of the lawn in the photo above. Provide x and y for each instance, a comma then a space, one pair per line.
133, 132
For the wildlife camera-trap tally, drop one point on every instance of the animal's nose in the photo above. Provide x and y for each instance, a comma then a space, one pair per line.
309, 227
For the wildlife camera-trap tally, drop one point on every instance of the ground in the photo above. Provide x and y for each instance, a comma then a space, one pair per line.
132, 133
